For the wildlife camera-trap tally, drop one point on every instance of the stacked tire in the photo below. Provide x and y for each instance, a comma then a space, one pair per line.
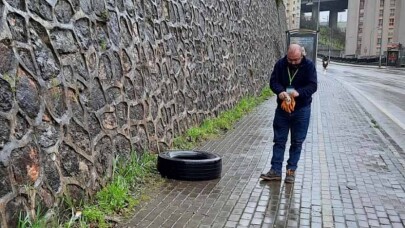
189, 165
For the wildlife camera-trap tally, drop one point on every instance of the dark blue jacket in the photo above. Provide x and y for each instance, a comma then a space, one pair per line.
305, 81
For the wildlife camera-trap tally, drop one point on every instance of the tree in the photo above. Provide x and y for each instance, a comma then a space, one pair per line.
307, 24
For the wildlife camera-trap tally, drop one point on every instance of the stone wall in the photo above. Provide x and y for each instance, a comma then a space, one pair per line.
82, 81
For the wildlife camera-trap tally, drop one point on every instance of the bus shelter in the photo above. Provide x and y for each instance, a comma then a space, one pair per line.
305, 38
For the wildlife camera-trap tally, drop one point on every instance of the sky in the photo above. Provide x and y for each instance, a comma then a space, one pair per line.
342, 16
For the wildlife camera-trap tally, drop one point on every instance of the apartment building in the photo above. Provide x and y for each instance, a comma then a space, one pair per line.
292, 11
374, 26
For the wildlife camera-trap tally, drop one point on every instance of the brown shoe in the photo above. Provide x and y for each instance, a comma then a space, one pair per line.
290, 176
271, 175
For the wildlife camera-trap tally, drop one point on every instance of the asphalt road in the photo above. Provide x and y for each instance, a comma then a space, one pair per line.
380, 91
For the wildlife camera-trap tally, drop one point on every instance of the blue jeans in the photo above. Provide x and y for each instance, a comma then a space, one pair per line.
297, 122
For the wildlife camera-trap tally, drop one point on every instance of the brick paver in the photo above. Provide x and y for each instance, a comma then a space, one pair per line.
349, 175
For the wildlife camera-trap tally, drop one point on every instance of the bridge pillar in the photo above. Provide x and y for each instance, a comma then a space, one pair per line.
333, 18
315, 13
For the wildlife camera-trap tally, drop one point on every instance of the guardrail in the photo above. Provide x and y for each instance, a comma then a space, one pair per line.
363, 61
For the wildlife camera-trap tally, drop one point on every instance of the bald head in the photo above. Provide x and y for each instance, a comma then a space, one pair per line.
294, 49
294, 54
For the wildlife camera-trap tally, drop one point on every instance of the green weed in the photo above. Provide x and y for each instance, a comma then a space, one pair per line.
183, 143
265, 93
105, 15
103, 45
195, 133
55, 82
25, 220
125, 190
12, 81
94, 214
209, 126
69, 210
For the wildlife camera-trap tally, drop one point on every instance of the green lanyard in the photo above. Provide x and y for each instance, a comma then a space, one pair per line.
289, 74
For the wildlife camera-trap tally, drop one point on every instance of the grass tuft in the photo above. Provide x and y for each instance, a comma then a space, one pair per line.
124, 192
25, 220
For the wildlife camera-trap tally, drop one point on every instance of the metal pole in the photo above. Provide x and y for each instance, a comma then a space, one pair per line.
330, 40
382, 34
399, 62
317, 30
369, 47
380, 59
319, 12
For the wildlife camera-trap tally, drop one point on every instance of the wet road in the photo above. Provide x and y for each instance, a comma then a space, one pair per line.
380, 91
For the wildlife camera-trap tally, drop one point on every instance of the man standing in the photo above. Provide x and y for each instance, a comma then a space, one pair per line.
294, 80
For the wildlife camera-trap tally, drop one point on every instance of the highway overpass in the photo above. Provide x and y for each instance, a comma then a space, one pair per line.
333, 6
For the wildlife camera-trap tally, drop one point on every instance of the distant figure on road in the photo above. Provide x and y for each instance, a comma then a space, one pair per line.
325, 63
294, 80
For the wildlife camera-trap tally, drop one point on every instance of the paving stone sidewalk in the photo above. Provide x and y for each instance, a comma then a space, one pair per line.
349, 175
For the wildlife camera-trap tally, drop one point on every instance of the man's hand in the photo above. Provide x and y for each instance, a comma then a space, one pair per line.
288, 104
283, 95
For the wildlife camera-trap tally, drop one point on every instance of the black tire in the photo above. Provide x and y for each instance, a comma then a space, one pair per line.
189, 165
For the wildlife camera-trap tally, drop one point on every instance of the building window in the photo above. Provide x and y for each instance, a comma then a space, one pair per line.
391, 23
392, 3
359, 41
381, 13
360, 30
361, 4
381, 3
379, 41
380, 21
392, 12
389, 40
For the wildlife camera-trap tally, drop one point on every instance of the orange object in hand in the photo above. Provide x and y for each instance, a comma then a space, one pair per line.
288, 104
292, 104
